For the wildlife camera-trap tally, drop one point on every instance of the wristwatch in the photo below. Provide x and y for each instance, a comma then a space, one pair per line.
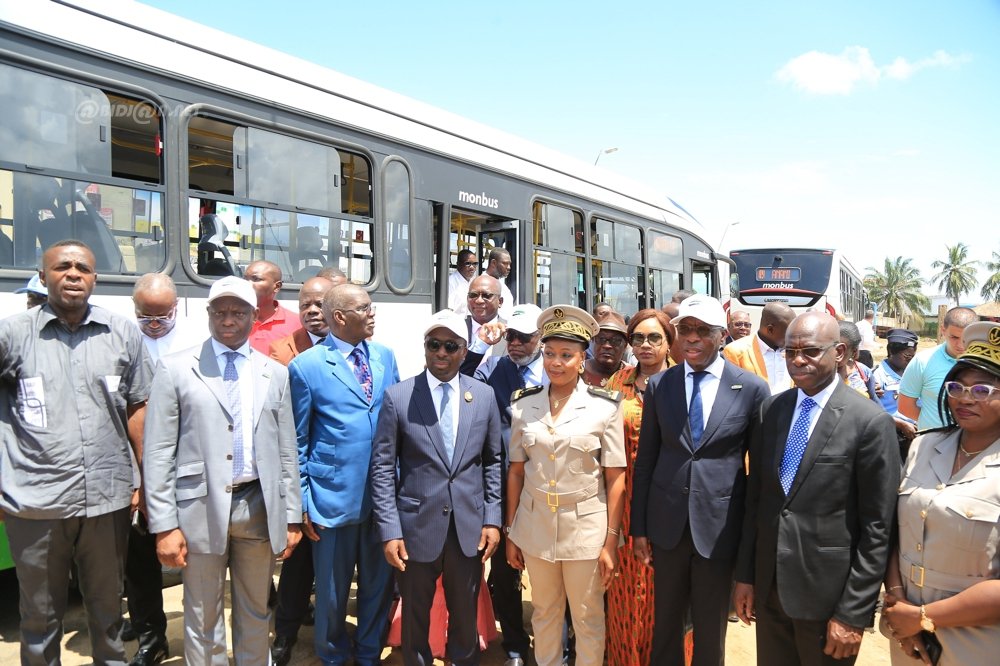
926, 623
506, 530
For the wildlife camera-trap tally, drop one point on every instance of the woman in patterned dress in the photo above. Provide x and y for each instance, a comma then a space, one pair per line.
630, 597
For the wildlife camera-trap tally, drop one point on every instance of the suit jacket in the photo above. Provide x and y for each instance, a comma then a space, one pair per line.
745, 353
335, 424
503, 376
188, 447
826, 544
419, 503
473, 360
675, 484
290, 346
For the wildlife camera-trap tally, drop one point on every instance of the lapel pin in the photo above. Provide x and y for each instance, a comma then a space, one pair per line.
736, 387
468, 396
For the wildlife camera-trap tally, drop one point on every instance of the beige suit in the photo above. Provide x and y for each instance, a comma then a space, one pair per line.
561, 521
949, 535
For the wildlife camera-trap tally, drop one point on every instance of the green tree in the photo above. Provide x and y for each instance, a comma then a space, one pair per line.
957, 274
991, 288
897, 290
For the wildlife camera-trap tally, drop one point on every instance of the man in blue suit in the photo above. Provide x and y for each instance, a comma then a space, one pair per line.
520, 367
436, 491
689, 483
337, 390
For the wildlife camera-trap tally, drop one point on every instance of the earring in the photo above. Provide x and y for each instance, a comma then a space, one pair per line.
580, 370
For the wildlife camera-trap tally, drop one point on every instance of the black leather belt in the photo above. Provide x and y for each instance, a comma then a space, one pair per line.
243, 487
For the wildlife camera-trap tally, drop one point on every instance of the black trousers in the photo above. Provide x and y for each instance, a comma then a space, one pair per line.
785, 641
505, 590
294, 589
460, 576
144, 587
681, 579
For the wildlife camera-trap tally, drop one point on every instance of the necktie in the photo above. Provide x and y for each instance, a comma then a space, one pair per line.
696, 414
795, 446
362, 372
446, 421
522, 375
232, 383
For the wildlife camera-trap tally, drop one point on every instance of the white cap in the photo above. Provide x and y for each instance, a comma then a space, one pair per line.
450, 320
524, 318
703, 308
233, 286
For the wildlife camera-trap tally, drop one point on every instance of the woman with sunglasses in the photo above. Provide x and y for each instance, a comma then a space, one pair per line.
565, 491
942, 588
630, 598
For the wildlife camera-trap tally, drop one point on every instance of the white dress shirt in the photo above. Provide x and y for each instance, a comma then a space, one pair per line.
242, 362
777, 370
709, 385
435, 384
458, 290
820, 399
174, 341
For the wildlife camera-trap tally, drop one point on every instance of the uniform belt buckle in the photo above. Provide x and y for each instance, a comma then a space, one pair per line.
552, 499
917, 575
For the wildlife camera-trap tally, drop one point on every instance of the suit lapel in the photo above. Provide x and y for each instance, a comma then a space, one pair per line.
465, 410
425, 406
207, 370
725, 398
342, 370
758, 359
260, 367
829, 418
678, 408
377, 368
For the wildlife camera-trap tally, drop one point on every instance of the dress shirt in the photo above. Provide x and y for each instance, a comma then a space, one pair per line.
820, 399
777, 370
536, 373
174, 341
243, 369
346, 348
456, 394
507, 307
315, 339
709, 385
458, 289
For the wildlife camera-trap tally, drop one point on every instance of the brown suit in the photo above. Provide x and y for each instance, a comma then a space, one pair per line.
290, 346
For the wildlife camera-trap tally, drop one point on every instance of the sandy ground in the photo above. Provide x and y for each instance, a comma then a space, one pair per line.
76, 645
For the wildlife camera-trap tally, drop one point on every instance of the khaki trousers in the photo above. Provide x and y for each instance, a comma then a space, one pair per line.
552, 584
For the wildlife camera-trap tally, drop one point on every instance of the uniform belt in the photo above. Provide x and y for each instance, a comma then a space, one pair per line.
565, 499
245, 486
939, 580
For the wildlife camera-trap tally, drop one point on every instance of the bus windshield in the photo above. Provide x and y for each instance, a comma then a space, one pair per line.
796, 277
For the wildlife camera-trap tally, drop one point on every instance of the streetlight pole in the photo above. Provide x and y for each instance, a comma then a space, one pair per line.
606, 151
725, 231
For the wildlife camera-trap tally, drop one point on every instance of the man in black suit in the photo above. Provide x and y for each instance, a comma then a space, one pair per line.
689, 483
520, 367
821, 500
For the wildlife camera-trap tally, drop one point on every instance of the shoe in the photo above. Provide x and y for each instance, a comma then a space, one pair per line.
153, 654
734, 618
514, 661
309, 619
281, 650
128, 632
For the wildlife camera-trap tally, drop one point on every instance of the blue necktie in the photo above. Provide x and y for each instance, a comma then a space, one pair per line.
522, 375
232, 382
696, 414
795, 446
361, 372
446, 421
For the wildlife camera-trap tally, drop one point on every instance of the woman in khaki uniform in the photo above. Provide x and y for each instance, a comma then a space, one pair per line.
565, 491
945, 578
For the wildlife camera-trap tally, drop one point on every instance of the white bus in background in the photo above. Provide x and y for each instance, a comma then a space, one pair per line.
804, 278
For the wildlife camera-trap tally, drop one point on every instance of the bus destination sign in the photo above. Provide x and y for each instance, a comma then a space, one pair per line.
779, 274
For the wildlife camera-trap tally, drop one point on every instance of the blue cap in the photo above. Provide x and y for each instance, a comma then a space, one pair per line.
901, 336
34, 286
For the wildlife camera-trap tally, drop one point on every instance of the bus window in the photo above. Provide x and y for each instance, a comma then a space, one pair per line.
702, 279
666, 266
396, 189
251, 190
618, 277
558, 276
51, 124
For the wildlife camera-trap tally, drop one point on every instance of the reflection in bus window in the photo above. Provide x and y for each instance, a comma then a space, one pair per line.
617, 273
396, 186
666, 267
264, 182
558, 276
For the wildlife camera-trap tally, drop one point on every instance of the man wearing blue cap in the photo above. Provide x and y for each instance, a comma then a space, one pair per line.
36, 291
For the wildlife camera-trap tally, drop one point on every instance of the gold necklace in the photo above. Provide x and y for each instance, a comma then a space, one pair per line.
558, 401
966, 453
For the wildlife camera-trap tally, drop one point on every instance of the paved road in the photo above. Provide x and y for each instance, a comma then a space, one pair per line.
76, 647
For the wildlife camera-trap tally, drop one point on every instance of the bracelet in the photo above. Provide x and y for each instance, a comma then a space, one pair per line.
614, 531
894, 587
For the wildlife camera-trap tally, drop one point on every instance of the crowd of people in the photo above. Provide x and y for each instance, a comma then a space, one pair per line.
670, 469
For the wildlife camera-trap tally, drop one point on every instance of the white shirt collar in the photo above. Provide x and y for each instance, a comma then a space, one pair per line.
764, 347
434, 382
820, 398
714, 368
221, 349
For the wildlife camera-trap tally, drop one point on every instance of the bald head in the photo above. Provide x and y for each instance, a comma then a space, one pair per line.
155, 299
813, 351
311, 305
349, 313
484, 298
333, 274
265, 276
774, 321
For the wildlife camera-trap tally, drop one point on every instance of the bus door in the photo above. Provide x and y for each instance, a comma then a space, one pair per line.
479, 234
502, 235
703, 278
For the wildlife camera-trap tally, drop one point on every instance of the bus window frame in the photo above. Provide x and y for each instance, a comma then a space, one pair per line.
382, 229
585, 255
643, 266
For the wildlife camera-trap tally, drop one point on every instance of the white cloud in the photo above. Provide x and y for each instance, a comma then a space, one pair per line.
828, 74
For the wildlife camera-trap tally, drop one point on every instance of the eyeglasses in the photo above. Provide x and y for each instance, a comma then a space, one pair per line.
485, 295
615, 341
363, 310
811, 353
222, 315
434, 345
741, 324
701, 331
638, 339
517, 336
978, 392
159, 319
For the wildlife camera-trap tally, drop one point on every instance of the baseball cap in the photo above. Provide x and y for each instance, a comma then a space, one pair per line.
233, 286
524, 318
34, 286
450, 320
703, 308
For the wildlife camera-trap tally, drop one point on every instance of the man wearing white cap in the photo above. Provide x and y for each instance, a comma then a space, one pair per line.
222, 478
435, 476
689, 484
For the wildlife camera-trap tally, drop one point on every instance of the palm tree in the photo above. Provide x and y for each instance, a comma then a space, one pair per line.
896, 290
957, 275
991, 288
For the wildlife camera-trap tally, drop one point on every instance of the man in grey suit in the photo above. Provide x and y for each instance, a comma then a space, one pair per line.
821, 501
222, 477
440, 514
689, 483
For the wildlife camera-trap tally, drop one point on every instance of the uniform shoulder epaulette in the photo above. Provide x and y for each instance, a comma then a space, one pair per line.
613, 396
522, 392
945, 428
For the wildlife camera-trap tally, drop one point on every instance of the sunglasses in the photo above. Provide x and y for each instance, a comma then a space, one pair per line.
638, 339
978, 392
702, 331
149, 319
812, 353
476, 295
517, 336
450, 346
615, 341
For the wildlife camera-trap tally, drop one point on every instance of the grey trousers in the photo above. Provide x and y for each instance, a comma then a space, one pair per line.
251, 565
44, 552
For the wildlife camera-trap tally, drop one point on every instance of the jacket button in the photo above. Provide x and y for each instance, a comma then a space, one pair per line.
685, 491
230, 427
445, 510
229, 489
784, 513
229, 457
694, 457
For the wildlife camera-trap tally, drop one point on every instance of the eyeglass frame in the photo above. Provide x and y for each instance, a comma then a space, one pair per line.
433, 345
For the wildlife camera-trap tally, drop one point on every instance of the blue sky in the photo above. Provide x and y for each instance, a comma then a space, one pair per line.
873, 127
